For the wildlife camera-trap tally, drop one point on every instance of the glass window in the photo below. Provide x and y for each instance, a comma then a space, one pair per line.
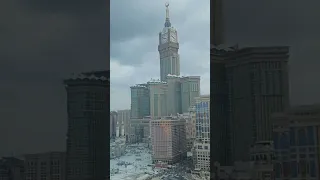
278, 170
310, 131
294, 169
292, 137
302, 137
276, 140
312, 169
284, 141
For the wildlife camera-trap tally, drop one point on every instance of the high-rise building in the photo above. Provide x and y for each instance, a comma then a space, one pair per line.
296, 142
201, 151
190, 88
87, 136
51, 165
113, 124
190, 128
260, 167
220, 136
217, 23
258, 86
173, 95
168, 138
124, 118
140, 105
158, 98
256, 80
168, 49
12, 168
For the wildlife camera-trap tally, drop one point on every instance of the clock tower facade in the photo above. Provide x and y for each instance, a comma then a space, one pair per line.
168, 50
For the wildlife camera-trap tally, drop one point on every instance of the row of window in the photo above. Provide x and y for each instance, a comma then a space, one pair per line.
295, 137
294, 169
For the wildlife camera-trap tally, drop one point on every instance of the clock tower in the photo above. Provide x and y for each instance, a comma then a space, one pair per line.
168, 49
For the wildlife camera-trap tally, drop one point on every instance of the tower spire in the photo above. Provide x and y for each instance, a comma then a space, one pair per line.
167, 23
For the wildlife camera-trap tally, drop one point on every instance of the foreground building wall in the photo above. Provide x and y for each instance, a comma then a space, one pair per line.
50, 165
296, 135
12, 169
87, 134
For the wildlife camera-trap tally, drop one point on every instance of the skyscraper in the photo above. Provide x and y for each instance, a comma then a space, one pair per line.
220, 136
172, 94
87, 137
258, 86
190, 88
158, 98
217, 23
49, 165
168, 49
124, 118
168, 137
140, 105
113, 124
256, 80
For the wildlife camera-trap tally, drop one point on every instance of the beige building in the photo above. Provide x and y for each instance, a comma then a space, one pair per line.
49, 166
168, 138
190, 89
158, 98
190, 128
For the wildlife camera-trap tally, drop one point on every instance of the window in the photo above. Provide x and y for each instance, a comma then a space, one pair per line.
278, 170
302, 137
310, 135
294, 169
292, 137
312, 169
276, 140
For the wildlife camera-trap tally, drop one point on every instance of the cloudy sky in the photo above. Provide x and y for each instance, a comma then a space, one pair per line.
134, 43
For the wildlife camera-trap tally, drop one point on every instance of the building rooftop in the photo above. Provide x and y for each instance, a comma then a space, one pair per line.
93, 75
156, 81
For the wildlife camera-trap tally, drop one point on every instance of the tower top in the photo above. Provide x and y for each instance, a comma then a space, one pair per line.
167, 23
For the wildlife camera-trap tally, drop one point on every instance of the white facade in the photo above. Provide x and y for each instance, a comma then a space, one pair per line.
117, 148
201, 149
123, 119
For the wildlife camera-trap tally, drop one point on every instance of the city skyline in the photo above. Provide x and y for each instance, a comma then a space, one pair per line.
134, 54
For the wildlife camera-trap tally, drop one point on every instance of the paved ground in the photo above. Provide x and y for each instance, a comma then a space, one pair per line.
178, 172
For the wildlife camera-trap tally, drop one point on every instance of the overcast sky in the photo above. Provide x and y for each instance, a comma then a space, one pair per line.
135, 29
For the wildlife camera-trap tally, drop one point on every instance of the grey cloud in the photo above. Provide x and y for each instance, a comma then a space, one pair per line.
132, 21
134, 40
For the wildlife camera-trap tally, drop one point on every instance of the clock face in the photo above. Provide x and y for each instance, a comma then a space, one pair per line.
164, 38
173, 38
